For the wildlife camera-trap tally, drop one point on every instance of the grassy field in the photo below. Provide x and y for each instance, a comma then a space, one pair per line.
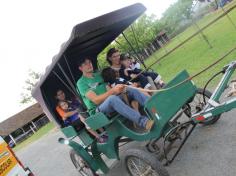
41, 132
196, 54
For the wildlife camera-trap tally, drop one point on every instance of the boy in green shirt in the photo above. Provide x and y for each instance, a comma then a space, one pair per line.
97, 97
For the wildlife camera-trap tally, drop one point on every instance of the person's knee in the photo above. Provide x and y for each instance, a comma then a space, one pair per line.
131, 91
113, 98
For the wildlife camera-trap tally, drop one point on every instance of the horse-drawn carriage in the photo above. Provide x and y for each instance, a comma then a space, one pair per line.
180, 97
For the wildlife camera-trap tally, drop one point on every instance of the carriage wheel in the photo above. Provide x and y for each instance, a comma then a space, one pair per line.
81, 166
197, 104
139, 162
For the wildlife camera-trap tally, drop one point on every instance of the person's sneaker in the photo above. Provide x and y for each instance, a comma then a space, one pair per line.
149, 125
105, 136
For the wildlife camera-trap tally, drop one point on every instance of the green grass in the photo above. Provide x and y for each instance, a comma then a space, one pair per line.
41, 132
196, 54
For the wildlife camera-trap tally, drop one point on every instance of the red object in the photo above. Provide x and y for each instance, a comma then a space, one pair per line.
154, 110
200, 118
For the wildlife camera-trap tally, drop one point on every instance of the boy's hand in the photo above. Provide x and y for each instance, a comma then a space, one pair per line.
118, 89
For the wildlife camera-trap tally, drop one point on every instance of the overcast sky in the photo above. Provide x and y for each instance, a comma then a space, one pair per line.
31, 34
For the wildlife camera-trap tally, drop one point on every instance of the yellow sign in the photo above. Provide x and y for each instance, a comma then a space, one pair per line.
7, 160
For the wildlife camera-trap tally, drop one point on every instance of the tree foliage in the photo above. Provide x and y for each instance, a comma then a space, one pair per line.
143, 31
31, 82
176, 13
139, 34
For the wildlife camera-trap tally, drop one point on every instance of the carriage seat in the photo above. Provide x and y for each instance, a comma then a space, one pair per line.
83, 134
96, 121
100, 120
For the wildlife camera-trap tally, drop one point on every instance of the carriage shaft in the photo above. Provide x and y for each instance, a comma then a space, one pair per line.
214, 111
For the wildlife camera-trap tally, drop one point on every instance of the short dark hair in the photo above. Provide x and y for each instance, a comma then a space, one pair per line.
109, 54
81, 60
108, 75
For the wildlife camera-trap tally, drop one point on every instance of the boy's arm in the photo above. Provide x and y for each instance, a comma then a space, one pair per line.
98, 99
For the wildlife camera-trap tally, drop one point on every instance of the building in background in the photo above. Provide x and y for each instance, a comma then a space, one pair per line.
23, 124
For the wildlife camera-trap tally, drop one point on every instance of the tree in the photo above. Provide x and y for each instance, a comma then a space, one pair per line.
176, 13
31, 82
140, 34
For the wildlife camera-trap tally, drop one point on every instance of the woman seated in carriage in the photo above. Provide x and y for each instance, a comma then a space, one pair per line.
72, 113
123, 66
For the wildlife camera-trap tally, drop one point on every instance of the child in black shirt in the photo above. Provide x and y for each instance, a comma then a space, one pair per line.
137, 74
109, 76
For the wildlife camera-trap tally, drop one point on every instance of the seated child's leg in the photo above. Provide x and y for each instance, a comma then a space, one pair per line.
135, 105
92, 132
143, 81
77, 124
156, 78
151, 74
125, 98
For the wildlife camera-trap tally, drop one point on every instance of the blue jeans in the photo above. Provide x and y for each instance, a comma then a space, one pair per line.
115, 103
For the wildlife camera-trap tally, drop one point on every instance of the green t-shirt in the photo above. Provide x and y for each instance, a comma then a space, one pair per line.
95, 84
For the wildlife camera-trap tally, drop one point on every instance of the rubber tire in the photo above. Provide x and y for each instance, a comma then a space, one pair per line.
208, 94
148, 158
72, 157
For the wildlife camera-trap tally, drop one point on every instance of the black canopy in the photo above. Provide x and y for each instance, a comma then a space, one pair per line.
87, 39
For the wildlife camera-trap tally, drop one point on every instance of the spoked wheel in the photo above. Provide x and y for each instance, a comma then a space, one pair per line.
178, 132
197, 104
81, 166
141, 163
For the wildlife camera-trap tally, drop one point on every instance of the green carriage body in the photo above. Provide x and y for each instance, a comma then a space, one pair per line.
161, 107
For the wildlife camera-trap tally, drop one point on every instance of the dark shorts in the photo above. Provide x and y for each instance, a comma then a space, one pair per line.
78, 125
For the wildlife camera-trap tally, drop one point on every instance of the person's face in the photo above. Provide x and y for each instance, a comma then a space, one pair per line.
126, 63
115, 58
60, 95
64, 105
86, 67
